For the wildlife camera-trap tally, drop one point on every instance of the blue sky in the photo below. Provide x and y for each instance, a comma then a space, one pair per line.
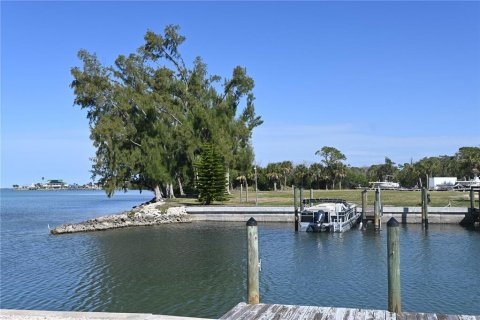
373, 79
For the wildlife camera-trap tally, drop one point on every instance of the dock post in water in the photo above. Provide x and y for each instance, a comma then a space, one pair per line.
472, 199
424, 208
376, 210
393, 252
364, 208
253, 285
301, 199
296, 207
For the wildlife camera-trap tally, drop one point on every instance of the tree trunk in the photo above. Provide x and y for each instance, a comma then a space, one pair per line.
227, 177
340, 184
180, 187
158, 193
246, 191
285, 183
170, 191
275, 186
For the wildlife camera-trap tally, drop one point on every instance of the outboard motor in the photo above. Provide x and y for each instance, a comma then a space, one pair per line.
319, 217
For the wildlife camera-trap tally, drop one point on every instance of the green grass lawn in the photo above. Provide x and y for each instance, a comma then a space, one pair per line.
389, 198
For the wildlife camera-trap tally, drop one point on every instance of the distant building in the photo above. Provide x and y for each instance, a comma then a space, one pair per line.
55, 184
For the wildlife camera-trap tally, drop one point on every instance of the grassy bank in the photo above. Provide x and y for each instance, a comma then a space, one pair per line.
389, 198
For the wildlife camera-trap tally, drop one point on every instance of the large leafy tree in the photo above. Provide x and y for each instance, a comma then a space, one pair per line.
332, 159
469, 161
150, 113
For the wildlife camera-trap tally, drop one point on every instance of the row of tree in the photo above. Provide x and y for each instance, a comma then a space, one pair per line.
333, 173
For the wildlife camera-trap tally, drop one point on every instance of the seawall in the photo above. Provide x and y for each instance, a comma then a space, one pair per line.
448, 215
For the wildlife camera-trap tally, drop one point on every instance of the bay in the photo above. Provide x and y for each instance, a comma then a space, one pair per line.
199, 269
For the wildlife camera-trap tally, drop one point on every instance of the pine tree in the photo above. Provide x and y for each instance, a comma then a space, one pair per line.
211, 179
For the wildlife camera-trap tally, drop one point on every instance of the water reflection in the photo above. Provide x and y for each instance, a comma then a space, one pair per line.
199, 269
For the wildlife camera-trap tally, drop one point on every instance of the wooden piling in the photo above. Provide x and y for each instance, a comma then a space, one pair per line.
424, 208
364, 208
472, 199
253, 284
295, 190
241, 192
376, 210
301, 199
393, 252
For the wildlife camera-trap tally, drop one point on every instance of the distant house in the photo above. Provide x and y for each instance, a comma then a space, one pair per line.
55, 184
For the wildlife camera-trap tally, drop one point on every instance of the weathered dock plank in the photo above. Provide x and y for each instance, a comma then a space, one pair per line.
296, 312
11, 314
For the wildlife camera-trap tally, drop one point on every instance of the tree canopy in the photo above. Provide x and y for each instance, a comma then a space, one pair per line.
332, 159
150, 113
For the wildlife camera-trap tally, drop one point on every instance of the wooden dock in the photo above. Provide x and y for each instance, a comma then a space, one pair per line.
294, 312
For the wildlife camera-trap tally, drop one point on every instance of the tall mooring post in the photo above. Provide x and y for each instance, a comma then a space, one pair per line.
376, 210
253, 284
241, 192
295, 189
424, 208
301, 199
472, 199
364, 208
393, 252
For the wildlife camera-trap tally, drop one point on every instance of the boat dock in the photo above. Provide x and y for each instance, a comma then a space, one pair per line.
243, 311
262, 311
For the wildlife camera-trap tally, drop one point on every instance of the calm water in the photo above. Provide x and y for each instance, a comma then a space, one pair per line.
199, 269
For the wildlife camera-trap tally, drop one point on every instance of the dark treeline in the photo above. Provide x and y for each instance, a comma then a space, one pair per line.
331, 172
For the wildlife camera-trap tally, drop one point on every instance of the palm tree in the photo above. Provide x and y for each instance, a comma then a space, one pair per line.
301, 174
340, 172
286, 168
274, 174
316, 171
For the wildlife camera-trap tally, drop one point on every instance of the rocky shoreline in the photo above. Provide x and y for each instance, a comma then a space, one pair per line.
145, 215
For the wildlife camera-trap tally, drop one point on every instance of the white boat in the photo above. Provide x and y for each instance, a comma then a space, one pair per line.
466, 184
333, 215
385, 185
